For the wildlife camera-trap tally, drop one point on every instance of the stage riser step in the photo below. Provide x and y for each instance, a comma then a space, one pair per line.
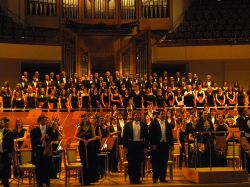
216, 175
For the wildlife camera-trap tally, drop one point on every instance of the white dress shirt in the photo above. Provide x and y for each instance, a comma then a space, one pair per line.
1, 140
43, 131
136, 131
163, 131
213, 119
122, 124
115, 127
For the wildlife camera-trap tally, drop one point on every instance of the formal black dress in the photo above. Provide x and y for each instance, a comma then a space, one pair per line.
42, 101
31, 101
114, 155
189, 99
6, 101
116, 100
74, 101
241, 98
199, 96
95, 101
182, 137
137, 100
85, 101
160, 101
210, 98
87, 154
56, 155
64, 101
19, 134
18, 103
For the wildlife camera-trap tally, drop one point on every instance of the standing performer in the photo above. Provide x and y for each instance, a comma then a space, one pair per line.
86, 135
135, 136
6, 151
55, 137
42, 158
161, 139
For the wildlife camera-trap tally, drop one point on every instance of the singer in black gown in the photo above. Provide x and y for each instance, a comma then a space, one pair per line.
86, 136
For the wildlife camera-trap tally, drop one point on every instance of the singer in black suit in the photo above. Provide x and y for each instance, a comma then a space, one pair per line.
135, 138
40, 136
6, 151
161, 140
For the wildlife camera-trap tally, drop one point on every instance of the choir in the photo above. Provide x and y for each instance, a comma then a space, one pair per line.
65, 93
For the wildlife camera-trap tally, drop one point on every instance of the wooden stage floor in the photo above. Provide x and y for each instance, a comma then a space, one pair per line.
117, 179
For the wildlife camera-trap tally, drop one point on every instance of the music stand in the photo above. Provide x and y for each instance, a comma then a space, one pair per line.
106, 147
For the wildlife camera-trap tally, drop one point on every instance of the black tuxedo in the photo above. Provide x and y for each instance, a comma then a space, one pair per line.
64, 79
127, 82
24, 84
135, 155
160, 149
242, 123
45, 83
5, 156
107, 80
43, 163
57, 83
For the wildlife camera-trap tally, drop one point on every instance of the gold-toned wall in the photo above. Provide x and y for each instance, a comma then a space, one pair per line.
187, 53
30, 52
224, 62
10, 70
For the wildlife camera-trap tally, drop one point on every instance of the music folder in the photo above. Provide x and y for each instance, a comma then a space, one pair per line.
107, 143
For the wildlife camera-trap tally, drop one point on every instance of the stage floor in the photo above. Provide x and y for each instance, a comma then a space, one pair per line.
117, 179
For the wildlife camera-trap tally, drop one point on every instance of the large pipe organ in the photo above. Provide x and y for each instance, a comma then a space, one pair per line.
122, 26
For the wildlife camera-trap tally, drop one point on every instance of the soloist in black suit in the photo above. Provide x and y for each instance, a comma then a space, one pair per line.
160, 153
136, 149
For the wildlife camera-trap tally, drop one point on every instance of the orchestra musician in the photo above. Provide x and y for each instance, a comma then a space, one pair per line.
6, 151
40, 142
115, 132
55, 137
